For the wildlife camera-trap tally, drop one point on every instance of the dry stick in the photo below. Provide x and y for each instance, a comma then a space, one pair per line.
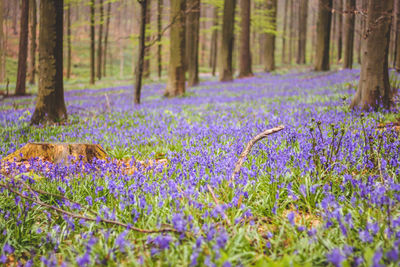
77, 216
217, 203
249, 146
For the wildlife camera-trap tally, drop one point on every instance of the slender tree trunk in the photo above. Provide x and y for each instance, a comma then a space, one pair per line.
142, 48
32, 61
146, 66
269, 60
291, 36
323, 35
397, 43
214, 42
192, 41
284, 34
105, 52
176, 70
50, 105
92, 43
100, 41
226, 69
159, 29
374, 87
20, 88
340, 30
245, 55
349, 20
2, 42
69, 49
301, 53
313, 35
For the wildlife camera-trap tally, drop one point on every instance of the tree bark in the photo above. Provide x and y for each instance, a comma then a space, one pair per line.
92, 43
269, 60
32, 61
245, 55
397, 41
303, 13
69, 51
142, 48
192, 41
228, 22
50, 105
20, 88
284, 34
176, 70
291, 31
214, 42
340, 30
374, 87
146, 62
159, 45
105, 52
349, 20
2, 43
323, 35
100, 41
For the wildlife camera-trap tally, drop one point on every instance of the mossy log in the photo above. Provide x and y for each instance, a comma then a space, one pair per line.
57, 152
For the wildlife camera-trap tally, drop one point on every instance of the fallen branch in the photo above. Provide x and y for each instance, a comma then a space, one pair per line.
248, 148
77, 216
217, 203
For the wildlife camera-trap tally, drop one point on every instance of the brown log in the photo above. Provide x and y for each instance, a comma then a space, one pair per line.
57, 152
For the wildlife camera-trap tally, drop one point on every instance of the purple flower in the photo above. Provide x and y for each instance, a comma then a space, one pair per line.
8, 249
393, 255
335, 257
290, 217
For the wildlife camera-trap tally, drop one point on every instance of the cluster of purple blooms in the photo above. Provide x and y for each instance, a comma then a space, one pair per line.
330, 165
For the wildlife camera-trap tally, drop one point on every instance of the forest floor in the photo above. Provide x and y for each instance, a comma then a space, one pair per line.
326, 189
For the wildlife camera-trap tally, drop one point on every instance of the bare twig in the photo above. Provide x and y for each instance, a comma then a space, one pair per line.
217, 203
77, 216
248, 148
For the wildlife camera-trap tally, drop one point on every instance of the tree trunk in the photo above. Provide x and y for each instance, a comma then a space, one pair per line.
176, 70
340, 30
142, 48
269, 60
374, 87
214, 42
192, 41
2, 43
397, 41
20, 88
228, 22
92, 43
159, 29
69, 51
291, 26
284, 34
32, 61
349, 20
301, 53
323, 35
245, 55
50, 105
100, 41
146, 62
105, 52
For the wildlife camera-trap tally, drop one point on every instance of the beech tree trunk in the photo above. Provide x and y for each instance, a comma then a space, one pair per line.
228, 22
340, 29
284, 34
50, 105
159, 29
176, 70
105, 52
303, 13
92, 43
269, 53
69, 52
142, 48
374, 87
100, 41
323, 35
349, 21
2, 43
192, 41
397, 41
214, 42
20, 88
146, 62
291, 31
245, 55
32, 61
